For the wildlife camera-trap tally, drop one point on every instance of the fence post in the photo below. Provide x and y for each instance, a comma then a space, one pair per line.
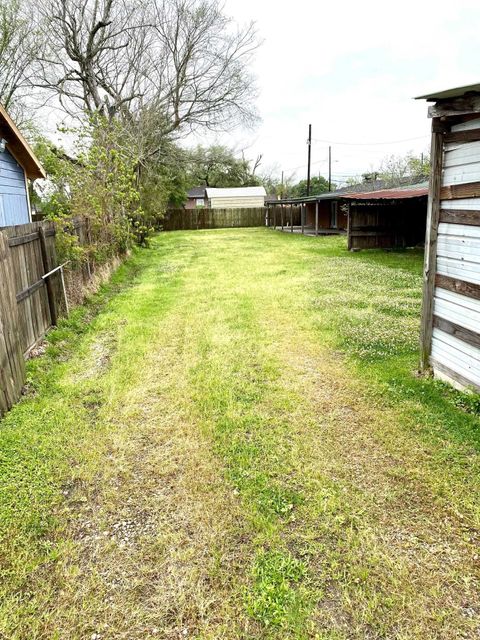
47, 266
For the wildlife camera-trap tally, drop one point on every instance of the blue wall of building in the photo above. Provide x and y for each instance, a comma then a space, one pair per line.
13, 193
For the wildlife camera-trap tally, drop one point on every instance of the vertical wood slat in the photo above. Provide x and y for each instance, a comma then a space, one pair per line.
12, 366
47, 266
433, 218
349, 227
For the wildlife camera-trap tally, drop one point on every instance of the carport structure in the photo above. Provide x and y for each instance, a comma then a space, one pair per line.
324, 214
386, 218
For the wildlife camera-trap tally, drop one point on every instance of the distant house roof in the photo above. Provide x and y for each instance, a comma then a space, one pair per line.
236, 192
196, 192
19, 147
457, 92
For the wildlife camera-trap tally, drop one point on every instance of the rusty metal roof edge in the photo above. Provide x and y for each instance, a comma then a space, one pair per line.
388, 194
399, 193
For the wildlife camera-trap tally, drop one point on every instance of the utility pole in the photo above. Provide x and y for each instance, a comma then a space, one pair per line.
329, 168
281, 188
309, 143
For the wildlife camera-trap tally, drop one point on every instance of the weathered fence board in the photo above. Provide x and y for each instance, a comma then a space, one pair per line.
184, 219
12, 367
33, 255
30, 303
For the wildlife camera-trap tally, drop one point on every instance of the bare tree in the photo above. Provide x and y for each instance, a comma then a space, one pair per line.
94, 53
173, 65
19, 48
204, 78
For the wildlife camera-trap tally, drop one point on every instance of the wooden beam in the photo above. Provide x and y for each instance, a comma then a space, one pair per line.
18, 240
454, 107
316, 218
456, 216
383, 233
349, 226
472, 135
455, 330
303, 209
430, 263
453, 375
26, 293
291, 218
467, 289
456, 191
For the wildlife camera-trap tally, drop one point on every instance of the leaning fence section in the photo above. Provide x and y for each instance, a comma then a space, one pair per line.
185, 219
32, 297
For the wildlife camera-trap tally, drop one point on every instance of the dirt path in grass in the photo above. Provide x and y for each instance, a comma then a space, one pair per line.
235, 479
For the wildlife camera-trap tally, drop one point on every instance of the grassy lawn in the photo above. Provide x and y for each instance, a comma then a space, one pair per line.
231, 441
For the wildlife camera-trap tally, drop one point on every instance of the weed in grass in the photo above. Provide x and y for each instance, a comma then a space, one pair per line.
466, 401
274, 598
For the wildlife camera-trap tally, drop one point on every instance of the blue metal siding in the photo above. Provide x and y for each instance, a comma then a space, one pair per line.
13, 193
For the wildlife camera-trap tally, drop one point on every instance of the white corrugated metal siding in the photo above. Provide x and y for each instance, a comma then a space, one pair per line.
237, 202
456, 358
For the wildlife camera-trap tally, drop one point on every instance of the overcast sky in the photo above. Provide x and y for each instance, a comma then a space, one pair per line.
351, 69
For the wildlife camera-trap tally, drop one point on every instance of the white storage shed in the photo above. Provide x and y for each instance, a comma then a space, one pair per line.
236, 198
450, 339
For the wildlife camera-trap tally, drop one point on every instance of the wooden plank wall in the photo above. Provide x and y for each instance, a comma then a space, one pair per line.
452, 305
202, 218
388, 224
29, 304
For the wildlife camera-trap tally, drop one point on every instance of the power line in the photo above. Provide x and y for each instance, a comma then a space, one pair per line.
367, 144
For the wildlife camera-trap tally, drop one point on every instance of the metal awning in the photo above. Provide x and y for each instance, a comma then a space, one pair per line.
457, 92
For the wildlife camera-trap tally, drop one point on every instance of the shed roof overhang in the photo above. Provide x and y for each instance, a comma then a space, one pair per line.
19, 147
389, 194
400, 193
298, 201
457, 92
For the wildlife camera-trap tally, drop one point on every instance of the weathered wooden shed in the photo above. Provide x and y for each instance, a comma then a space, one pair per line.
450, 337
17, 164
388, 218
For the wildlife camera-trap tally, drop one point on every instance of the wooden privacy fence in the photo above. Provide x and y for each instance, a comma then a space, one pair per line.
32, 297
287, 215
177, 219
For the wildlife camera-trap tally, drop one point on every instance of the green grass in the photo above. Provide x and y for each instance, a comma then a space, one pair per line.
244, 406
